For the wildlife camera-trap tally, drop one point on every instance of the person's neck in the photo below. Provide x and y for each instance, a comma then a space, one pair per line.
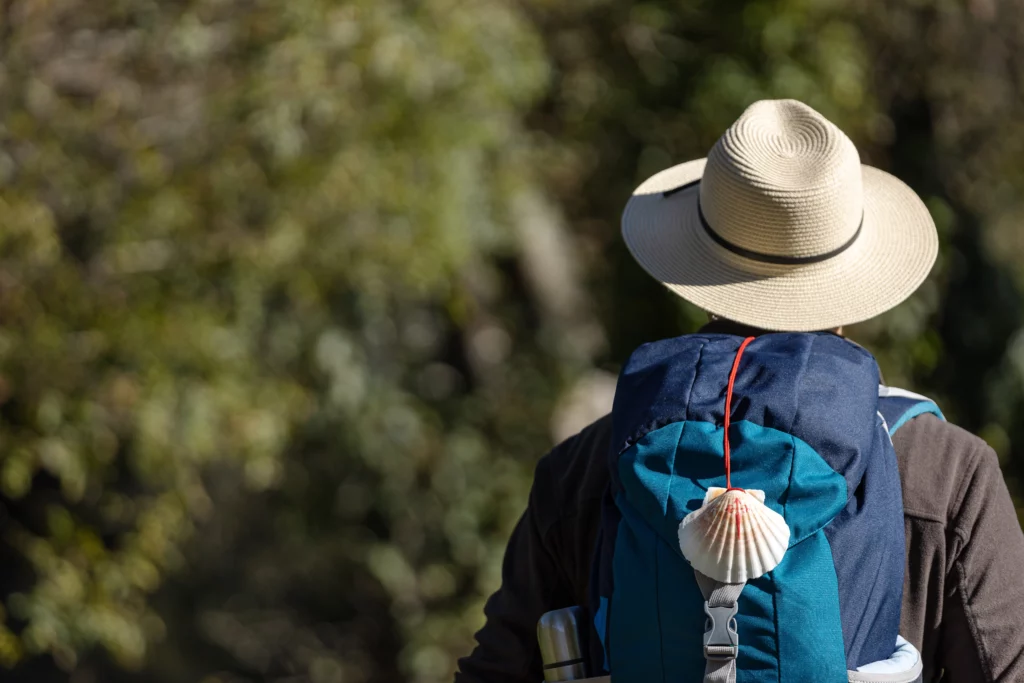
723, 326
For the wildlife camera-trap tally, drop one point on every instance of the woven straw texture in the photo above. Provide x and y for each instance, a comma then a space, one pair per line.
783, 182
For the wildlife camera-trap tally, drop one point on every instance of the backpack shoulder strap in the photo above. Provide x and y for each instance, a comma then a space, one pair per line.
899, 406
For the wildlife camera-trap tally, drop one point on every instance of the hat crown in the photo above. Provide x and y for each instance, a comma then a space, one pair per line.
783, 181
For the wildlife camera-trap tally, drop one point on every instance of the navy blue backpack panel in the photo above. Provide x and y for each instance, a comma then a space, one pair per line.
808, 429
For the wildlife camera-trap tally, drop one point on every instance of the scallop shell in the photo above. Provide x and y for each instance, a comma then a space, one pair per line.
734, 537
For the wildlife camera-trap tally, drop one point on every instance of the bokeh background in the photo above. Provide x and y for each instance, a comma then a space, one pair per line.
294, 293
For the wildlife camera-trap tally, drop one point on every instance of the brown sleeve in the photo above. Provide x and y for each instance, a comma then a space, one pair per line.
532, 583
983, 612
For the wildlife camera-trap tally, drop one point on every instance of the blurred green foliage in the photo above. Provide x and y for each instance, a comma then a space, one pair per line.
294, 294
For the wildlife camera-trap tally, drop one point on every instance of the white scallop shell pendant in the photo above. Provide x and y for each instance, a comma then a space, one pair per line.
734, 537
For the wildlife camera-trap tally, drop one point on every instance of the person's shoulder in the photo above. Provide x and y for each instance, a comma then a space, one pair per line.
575, 472
937, 459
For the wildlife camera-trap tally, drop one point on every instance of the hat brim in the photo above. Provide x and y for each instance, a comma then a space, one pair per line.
890, 258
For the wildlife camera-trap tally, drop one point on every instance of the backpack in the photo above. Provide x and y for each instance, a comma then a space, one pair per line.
810, 426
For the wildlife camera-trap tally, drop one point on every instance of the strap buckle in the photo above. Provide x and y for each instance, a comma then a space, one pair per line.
721, 639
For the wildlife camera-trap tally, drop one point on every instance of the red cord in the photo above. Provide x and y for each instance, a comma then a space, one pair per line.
728, 409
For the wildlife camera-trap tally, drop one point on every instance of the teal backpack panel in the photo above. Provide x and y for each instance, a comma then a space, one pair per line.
642, 645
807, 603
658, 609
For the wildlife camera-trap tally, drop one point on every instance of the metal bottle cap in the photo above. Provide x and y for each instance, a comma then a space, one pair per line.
558, 633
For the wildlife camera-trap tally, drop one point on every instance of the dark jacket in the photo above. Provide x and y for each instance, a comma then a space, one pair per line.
963, 599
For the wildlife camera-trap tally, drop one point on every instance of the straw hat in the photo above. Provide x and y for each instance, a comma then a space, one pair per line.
781, 227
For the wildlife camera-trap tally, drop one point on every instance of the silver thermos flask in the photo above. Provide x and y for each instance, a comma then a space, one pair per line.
561, 648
